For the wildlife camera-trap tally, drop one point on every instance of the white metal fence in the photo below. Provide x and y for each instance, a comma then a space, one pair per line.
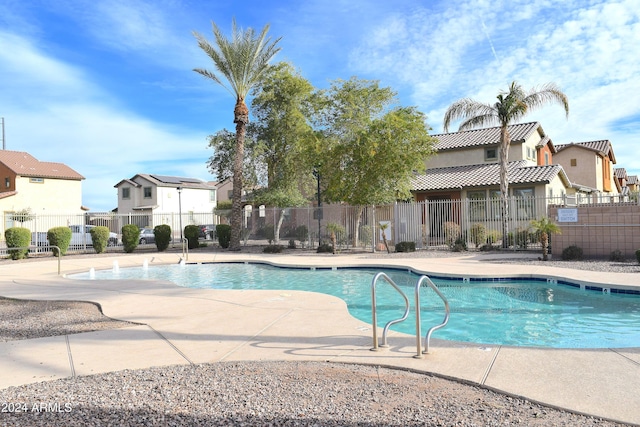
430, 224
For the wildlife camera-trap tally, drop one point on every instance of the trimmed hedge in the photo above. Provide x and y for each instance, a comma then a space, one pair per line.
406, 247
60, 237
223, 231
130, 237
162, 235
572, 253
191, 233
100, 238
17, 237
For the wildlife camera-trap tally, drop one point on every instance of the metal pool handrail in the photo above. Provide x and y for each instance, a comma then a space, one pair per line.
375, 315
433, 328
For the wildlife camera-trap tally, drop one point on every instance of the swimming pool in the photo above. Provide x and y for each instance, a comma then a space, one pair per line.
507, 312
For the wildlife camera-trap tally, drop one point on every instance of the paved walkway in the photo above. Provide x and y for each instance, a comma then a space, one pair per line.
182, 326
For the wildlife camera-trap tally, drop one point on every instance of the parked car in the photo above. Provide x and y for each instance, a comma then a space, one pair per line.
78, 238
147, 236
207, 231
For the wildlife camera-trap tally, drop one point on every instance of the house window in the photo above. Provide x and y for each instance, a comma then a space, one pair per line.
477, 205
147, 192
546, 158
126, 193
574, 162
525, 207
36, 180
491, 154
212, 195
7, 182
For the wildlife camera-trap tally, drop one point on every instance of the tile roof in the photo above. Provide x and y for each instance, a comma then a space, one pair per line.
24, 164
488, 136
632, 179
603, 146
620, 173
169, 181
456, 177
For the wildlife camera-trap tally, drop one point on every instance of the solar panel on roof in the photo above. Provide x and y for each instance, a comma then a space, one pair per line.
167, 179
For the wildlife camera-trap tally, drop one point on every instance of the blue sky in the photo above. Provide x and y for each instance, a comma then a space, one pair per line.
107, 87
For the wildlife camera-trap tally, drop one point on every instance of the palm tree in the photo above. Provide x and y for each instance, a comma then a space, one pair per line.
511, 106
241, 60
544, 228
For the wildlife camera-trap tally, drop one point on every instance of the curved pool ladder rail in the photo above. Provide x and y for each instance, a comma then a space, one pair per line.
374, 313
427, 338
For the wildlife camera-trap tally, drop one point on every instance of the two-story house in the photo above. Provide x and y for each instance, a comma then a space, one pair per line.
590, 164
147, 195
41, 187
466, 165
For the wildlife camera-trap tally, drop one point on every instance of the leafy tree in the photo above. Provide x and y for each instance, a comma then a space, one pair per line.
511, 106
240, 60
543, 228
281, 106
220, 164
372, 150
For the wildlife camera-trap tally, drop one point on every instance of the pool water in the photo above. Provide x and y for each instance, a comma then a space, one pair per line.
515, 312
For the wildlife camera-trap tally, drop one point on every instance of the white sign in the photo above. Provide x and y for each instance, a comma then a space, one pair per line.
568, 215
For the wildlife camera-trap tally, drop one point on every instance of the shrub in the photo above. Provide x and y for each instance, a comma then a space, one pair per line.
130, 237
272, 249
223, 231
451, 233
638, 256
100, 238
162, 235
522, 238
325, 248
616, 256
60, 237
493, 236
405, 247
191, 233
267, 232
292, 244
302, 233
572, 253
18, 237
459, 245
366, 235
478, 234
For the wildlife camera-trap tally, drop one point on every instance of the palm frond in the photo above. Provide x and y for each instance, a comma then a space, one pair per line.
467, 109
548, 93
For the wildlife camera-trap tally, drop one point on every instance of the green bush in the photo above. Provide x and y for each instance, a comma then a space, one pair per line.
60, 237
223, 231
100, 238
638, 256
493, 236
460, 245
325, 248
191, 233
616, 256
366, 235
572, 253
272, 249
18, 237
162, 235
130, 237
522, 238
405, 247
292, 244
478, 234
302, 233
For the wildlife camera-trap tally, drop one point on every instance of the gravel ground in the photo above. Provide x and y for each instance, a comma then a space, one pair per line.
256, 393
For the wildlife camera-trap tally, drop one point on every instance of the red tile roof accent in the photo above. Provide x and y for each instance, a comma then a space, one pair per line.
24, 164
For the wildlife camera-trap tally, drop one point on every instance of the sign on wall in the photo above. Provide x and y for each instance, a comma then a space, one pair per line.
568, 215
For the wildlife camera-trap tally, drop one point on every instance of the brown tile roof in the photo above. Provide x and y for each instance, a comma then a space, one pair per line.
603, 146
632, 179
488, 136
24, 164
620, 173
485, 175
169, 181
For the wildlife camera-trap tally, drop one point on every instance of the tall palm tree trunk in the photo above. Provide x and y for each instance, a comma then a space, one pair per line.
504, 184
241, 118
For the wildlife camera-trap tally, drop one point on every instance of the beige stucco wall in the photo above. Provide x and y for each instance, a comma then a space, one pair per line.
51, 196
588, 168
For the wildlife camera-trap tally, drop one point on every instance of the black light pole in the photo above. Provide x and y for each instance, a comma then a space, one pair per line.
180, 211
316, 173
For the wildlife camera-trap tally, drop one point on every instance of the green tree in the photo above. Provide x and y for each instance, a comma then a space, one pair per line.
223, 144
281, 106
371, 150
543, 228
240, 60
511, 107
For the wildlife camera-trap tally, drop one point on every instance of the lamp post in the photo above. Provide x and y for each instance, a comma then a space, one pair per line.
180, 211
316, 174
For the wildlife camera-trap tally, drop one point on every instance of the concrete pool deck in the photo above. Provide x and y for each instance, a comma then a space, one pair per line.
183, 326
